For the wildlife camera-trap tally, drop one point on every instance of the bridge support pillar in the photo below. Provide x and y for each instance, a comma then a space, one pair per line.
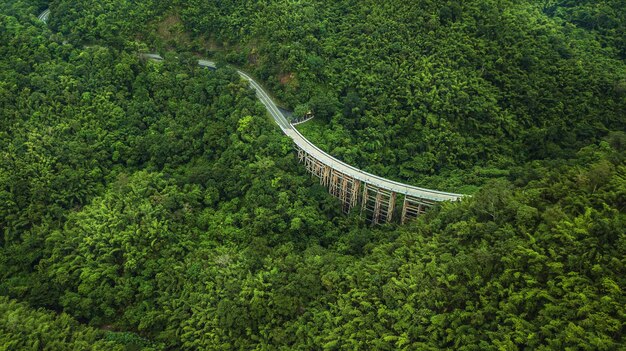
301, 154
315, 167
414, 207
378, 204
345, 188
325, 179
354, 194
391, 206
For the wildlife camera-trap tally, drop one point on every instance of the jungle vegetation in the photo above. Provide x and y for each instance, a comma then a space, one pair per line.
155, 206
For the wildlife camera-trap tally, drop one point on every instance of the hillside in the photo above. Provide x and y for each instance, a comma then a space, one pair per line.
155, 205
439, 94
442, 94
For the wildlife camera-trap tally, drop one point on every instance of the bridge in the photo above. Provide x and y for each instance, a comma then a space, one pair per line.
378, 198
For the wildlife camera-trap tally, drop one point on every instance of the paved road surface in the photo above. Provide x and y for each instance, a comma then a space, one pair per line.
43, 17
328, 160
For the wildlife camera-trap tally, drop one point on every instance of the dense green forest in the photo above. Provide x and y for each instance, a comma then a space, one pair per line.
426, 91
419, 91
155, 206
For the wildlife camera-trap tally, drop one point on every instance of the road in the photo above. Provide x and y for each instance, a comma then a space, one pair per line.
313, 150
43, 17
332, 162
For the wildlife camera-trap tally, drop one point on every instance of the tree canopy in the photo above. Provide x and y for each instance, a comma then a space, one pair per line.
155, 206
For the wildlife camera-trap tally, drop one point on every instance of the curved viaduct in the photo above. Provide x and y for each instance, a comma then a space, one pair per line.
377, 197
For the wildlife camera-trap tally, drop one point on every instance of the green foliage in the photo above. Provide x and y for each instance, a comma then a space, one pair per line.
158, 203
301, 111
425, 89
606, 19
427, 99
24, 328
110, 22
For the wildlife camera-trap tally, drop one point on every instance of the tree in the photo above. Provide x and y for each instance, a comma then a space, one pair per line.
301, 112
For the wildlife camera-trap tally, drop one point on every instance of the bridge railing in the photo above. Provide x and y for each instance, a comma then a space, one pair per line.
373, 179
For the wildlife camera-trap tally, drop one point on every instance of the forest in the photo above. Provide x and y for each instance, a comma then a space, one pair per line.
156, 206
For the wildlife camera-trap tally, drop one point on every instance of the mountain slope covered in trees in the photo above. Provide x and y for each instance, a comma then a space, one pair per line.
413, 89
155, 205
440, 94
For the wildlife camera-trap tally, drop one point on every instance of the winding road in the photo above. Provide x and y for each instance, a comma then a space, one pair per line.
311, 149
43, 17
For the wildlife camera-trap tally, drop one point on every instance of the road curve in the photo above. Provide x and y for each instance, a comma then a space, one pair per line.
304, 144
43, 17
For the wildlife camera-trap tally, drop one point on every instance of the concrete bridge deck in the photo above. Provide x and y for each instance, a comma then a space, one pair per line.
331, 161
